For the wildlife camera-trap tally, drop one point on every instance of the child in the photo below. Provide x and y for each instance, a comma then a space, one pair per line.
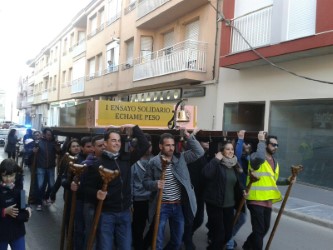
13, 213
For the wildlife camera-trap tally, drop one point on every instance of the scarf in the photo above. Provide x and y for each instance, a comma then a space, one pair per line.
111, 155
229, 163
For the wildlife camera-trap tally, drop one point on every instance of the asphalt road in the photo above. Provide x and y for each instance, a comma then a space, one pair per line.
43, 229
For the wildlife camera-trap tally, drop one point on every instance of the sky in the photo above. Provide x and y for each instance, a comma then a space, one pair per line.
26, 27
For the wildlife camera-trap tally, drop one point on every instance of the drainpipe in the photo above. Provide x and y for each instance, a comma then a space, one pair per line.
216, 64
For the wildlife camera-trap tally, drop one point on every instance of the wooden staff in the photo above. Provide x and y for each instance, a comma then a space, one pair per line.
253, 178
107, 176
77, 170
32, 195
66, 157
159, 203
294, 172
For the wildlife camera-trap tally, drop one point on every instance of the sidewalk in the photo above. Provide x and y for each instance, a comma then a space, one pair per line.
308, 203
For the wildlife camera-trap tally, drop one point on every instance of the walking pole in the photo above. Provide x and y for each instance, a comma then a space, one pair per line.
159, 203
64, 214
294, 172
77, 170
107, 176
253, 178
32, 195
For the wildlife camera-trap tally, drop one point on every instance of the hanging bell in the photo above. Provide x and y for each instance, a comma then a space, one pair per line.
182, 116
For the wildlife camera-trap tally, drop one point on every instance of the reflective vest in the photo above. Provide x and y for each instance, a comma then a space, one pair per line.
266, 188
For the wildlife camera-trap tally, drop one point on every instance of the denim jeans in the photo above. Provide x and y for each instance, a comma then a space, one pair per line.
115, 224
44, 174
173, 213
89, 213
18, 244
240, 222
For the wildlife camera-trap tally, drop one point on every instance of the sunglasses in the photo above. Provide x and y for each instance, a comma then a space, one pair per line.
275, 145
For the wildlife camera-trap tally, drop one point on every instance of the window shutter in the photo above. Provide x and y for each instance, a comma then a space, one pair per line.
192, 31
302, 18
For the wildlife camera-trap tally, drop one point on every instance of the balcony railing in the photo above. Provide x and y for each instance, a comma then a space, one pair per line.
78, 48
45, 95
77, 85
255, 27
147, 6
188, 55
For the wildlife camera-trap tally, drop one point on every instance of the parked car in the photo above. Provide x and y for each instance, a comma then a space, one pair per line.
3, 136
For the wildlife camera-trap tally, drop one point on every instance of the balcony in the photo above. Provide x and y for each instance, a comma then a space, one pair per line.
78, 48
157, 13
256, 27
30, 98
185, 56
45, 95
77, 85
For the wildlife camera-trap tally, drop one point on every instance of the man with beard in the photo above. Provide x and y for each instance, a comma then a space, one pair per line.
264, 192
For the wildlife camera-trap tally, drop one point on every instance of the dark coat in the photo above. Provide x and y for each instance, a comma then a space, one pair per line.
216, 180
46, 155
12, 228
118, 196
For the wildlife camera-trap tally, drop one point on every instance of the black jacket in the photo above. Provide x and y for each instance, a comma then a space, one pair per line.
215, 174
119, 190
12, 228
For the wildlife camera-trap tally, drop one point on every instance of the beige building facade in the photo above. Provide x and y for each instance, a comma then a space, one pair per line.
125, 50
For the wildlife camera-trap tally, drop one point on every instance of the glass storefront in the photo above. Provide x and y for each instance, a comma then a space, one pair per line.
305, 133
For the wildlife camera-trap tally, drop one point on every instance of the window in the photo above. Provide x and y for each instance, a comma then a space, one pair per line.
112, 57
99, 65
146, 48
64, 76
55, 82
65, 47
71, 40
114, 10
70, 75
92, 67
129, 53
93, 25
168, 42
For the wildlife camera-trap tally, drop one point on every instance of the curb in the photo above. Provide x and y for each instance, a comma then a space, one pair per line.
305, 217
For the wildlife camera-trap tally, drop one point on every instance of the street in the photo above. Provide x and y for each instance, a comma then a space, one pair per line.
43, 229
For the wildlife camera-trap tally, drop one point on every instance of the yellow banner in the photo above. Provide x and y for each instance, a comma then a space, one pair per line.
142, 114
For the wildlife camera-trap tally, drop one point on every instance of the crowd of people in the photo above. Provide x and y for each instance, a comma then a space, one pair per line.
175, 186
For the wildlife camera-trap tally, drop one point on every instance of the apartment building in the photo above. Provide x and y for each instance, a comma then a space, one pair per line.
295, 35
128, 50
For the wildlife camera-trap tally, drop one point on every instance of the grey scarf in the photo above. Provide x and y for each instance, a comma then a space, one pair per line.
229, 163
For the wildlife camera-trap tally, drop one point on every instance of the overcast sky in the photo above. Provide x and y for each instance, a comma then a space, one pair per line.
26, 27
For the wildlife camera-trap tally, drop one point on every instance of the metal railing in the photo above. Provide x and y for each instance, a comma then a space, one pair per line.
188, 55
147, 6
255, 27
77, 85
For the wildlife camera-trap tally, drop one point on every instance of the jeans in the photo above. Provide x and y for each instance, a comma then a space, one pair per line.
115, 224
173, 213
18, 244
44, 174
89, 214
260, 220
240, 222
